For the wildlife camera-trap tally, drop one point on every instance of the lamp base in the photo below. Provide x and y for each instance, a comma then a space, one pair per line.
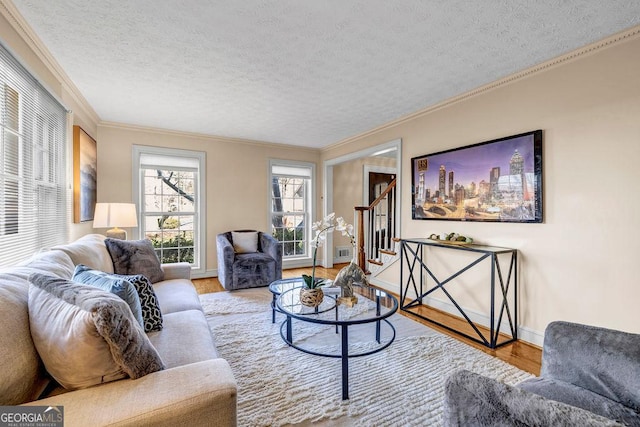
117, 233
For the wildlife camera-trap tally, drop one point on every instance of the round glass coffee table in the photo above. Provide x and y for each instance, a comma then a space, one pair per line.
374, 307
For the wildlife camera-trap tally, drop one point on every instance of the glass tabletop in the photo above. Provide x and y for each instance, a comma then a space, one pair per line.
373, 305
279, 286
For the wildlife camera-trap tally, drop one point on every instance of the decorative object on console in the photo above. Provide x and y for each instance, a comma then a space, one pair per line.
115, 215
85, 166
451, 238
135, 257
498, 180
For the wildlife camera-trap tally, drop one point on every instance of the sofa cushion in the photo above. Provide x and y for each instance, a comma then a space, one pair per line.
177, 295
151, 313
20, 380
111, 283
244, 241
135, 257
251, 270
89, 250
22, 377
86, 336
186, 338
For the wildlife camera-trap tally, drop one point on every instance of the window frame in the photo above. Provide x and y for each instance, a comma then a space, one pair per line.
307, 259
198, 269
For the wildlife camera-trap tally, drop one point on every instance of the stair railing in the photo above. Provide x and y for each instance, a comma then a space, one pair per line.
380, 226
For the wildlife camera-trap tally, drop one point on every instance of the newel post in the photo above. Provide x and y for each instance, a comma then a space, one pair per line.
361, 255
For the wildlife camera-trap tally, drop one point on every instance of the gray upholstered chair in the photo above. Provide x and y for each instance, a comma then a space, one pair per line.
249, 269
590, 376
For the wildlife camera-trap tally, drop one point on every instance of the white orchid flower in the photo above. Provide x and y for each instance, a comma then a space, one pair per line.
348, 230
321, 228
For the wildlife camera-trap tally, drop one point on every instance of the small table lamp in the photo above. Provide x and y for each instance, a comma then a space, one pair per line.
115, 215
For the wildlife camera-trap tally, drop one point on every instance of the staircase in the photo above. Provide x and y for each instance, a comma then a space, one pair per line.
376, 232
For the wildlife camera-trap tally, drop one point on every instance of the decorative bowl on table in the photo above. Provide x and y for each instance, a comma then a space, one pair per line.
451, 239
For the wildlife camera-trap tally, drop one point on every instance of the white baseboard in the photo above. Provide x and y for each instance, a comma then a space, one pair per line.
524, 333
296, 263
342, 260
531, 336
205, 274
391, 287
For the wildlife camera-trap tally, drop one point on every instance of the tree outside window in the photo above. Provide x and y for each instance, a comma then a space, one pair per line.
169, 213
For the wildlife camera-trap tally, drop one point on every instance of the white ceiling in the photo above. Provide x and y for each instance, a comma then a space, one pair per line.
302, 72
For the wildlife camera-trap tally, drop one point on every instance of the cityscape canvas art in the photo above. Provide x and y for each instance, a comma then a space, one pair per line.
498, 180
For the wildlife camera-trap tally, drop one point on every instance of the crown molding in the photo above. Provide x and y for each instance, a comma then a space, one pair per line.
22, 28
589, 49
202, 136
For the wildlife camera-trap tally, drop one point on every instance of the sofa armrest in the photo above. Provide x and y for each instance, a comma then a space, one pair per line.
271, 246
604, 361
198, 394
177, 270
226, 255
474, 400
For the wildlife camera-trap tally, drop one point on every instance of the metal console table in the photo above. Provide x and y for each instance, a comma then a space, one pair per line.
412, 252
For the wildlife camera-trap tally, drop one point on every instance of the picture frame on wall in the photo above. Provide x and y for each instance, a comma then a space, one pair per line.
85, 178
493, 181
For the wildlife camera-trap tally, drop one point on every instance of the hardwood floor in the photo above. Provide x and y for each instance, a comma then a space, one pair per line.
519, 354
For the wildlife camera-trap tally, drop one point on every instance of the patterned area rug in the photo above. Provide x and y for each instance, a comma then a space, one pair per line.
402, 385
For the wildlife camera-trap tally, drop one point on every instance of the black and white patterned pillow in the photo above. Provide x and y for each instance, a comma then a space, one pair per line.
151, 314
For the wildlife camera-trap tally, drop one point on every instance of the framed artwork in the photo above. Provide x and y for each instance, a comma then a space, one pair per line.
492, 181
85, 166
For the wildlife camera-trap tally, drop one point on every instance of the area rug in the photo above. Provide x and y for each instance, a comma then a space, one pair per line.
402, 385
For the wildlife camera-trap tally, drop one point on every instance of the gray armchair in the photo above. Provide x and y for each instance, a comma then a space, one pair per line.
590, 376
248, 270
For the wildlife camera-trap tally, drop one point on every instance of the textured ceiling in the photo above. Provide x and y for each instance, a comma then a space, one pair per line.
302, 72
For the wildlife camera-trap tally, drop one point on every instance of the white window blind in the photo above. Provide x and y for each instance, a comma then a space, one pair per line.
33, 181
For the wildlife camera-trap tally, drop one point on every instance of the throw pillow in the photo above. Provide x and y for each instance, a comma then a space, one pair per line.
135, 257
245, 241
86, 336
151, 314
111, 283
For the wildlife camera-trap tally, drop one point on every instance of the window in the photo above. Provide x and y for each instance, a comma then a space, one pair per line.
33, 179
292, 206
169, 185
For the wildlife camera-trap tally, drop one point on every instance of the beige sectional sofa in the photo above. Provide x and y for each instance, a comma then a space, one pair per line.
196, 388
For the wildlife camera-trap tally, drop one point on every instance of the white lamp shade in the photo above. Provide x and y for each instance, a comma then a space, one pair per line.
115, 215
